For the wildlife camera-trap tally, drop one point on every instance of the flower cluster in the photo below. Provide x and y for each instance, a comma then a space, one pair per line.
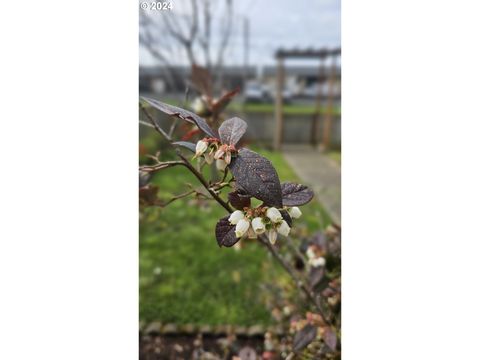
213, 149
253, 222
315, 256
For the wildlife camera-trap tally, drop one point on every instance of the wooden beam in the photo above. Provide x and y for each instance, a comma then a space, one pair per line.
327, 126
277, 141
318, 106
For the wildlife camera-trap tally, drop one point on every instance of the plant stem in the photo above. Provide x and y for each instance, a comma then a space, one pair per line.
298, 282
205, 184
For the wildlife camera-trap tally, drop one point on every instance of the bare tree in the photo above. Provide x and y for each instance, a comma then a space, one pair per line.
164, 33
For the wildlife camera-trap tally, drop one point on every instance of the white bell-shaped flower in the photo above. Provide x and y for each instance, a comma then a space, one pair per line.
272, 236
235, 217
274, 215
295, 212
258, 225
283, 228
320, 261
311, 253
201, 147
242, 227
208, 158
221, 164
198, 106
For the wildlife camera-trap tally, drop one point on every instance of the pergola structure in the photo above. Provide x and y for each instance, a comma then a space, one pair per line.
320, 54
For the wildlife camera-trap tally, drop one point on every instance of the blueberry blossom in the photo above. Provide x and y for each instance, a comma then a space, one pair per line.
201, 147
283, 228
314, 258
320, 261
272, 236
274, 215
224, 152
242, 227
258, 225
236, 216
295, 212
221, 164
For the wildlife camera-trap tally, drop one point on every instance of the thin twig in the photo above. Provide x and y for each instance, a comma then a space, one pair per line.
160, 166
154, 123
183, 195
204, 182
299, 283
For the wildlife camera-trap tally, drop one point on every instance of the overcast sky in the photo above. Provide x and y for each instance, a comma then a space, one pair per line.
274, 24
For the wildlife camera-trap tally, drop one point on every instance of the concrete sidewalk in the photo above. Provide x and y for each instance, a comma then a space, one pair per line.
320, 172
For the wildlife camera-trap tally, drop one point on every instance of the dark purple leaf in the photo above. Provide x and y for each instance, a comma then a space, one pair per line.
257, 177
329, 337
232, 130
319, 239
304, 337
295, 194
316, 275
225, 233
186, 144
182, 114
286, 216
238, 200
143, 178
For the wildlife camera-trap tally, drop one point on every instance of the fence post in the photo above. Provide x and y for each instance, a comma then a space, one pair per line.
279, 105
327, 125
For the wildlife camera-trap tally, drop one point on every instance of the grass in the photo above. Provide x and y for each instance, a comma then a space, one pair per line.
186, 278
288, 109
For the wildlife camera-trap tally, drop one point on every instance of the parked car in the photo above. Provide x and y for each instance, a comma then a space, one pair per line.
255, 92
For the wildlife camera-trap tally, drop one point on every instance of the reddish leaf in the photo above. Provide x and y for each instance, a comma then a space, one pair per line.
232, 130
191, 134
222, 103
182, 114
257, 177
202, 80
148, 195
238, 200
225, 233
304, 337
295, 194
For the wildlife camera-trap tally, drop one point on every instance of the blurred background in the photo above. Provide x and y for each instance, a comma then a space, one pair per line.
284, 60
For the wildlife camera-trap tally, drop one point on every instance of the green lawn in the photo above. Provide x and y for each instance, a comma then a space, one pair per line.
186, 278
266, 108
288, 109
